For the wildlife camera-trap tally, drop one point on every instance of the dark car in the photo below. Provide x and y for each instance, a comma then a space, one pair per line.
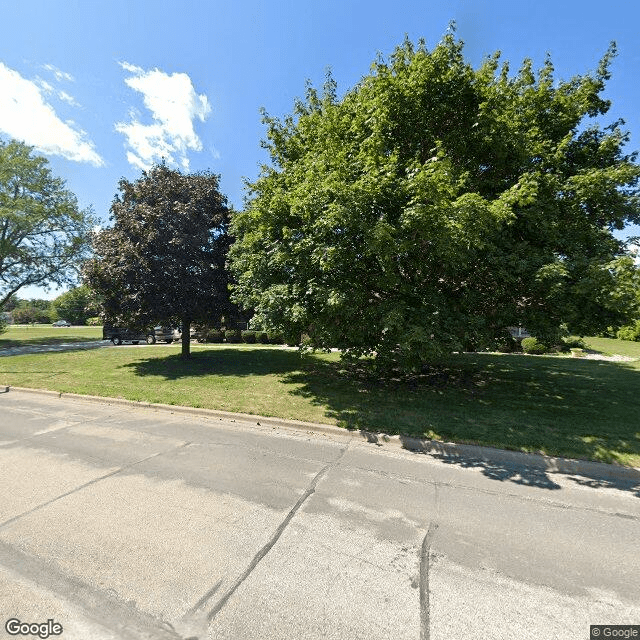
118, 335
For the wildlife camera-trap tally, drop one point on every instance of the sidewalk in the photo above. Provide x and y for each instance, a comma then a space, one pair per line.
44, 348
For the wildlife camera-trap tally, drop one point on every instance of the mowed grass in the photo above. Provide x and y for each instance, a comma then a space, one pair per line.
18, 335
561, 406
610, 346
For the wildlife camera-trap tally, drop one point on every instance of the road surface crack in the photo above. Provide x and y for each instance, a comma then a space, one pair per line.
425, 631
193, 618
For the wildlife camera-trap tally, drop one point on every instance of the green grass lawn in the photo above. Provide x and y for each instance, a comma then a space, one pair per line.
610, 346
563, 406
17, 335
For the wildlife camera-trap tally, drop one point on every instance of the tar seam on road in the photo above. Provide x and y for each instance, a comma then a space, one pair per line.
425, 633
267, 547
205, 598
6, 523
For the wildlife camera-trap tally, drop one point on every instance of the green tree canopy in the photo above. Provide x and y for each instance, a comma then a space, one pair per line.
75, 305
163, 260
434, 205
44, 235
31, 311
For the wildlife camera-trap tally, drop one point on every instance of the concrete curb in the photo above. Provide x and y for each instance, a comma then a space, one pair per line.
469, 455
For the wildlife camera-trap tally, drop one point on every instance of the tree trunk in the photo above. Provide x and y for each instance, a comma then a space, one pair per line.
186, 338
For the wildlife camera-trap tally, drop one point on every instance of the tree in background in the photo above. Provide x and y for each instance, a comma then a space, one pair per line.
434, 205
44, 235
11, 303
631, 331
75, 305
164, 257
32, 311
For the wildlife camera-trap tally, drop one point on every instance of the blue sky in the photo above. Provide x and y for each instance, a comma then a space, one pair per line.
103, 89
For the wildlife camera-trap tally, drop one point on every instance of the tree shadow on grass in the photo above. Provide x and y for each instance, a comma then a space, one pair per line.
221, 362
559, 407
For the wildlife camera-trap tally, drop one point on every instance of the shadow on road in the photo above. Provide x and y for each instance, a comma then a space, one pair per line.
530, 475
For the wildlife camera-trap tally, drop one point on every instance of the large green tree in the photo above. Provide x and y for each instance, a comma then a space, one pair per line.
44, 235
164, 257
435, 204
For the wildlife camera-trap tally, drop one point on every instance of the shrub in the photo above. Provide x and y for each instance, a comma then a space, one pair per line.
574, 343
533, 345
629, 332
214, 335
249, 337
610, 332
262, 337
275, 337
233, 335
30, 315
505, 344
94, 322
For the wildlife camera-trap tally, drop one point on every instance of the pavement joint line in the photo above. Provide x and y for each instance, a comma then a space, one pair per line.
447, 451
425, 631
545, 502
213, 612
10, 521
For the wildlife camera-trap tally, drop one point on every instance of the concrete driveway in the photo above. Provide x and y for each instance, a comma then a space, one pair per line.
119, 522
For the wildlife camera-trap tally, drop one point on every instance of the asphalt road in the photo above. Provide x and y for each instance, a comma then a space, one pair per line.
120, 522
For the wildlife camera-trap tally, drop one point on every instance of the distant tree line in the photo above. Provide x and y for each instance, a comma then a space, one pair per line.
76, 306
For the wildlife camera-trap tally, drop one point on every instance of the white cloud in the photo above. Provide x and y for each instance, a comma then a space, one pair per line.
59, 75
48, 89
634, 249
26, 115
65, 97
174, 105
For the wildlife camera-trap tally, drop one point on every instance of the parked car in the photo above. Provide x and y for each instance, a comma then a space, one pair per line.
199, 333
168, 334
61, 323
118, 335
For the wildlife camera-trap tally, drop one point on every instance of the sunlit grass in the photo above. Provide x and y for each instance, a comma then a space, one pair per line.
611, 346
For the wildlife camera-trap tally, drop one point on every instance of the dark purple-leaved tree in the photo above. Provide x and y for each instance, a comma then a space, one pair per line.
163, 259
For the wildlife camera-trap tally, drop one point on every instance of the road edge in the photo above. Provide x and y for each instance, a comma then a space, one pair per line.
448, 451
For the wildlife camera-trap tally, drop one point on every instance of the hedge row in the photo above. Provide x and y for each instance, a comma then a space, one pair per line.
236, 336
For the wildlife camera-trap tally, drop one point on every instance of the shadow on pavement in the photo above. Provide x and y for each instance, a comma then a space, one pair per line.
534, 476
